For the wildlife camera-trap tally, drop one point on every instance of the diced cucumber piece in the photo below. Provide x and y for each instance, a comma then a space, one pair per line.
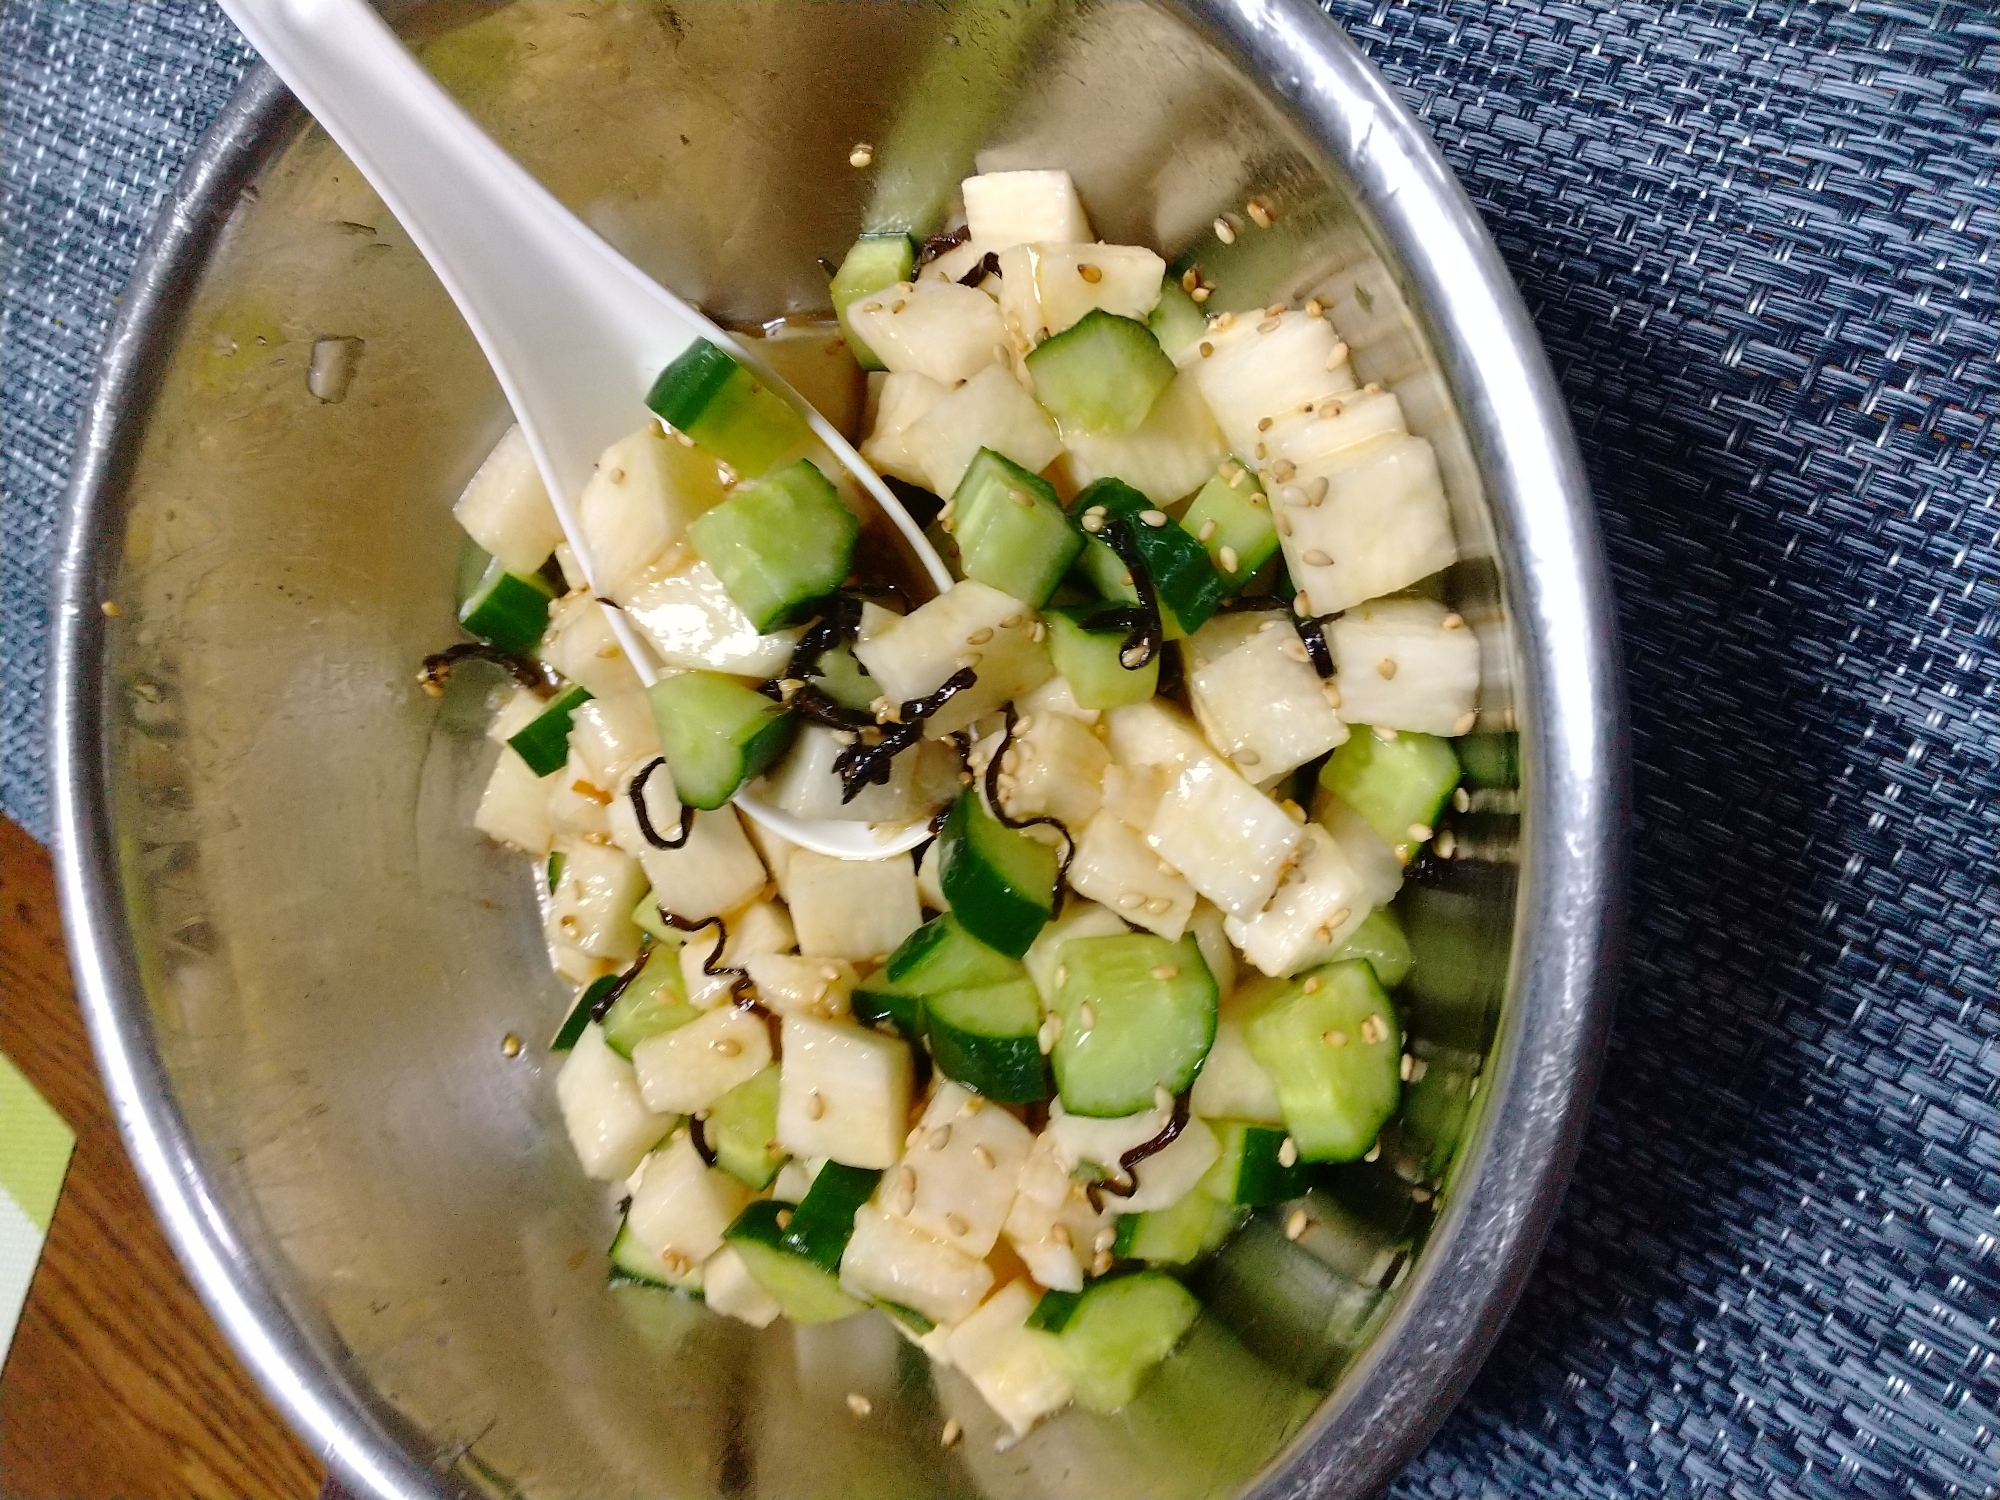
1435, 1107
1380, 940
1119, 1331
1333, 1047
473, 561
942, 955
544, 742
654, 1003
511, 610
1490, 760
875, 261
1232, 519
1102, 374
985, 1039
1183, 576
1012, 532
716, 734
804, 1289
1138, 1015
1177, 1235
778, 544
728, 410
1399, 786
632, 1264
554, 870
1089, 660
1053, 1312
843, 679
1177, 321
742, 1129
505, 509
579, 1013
879, 1001
1252, 1168
1001, 882
825, 1217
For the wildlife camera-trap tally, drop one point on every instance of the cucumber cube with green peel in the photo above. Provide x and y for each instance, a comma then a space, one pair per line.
509, 610
1253, 1169
1119, 1331
716, 734
986, 1039
875, 261
1381, 941
579, 1014
543, 742
728, 409
943, 955
1011, 531
742, 1129
654, 1003
778, 544
1398, 786
1332, 1044
805, 1290
1090, 661
1232, 519
1101, 374
1184, 578
1177, 1235
1177, 320
1001, 882
1138, 1016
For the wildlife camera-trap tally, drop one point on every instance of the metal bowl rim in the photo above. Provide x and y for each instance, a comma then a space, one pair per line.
1569, 701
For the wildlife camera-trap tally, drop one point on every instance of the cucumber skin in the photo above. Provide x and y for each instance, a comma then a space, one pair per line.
823, 1222
543, 742
707, 394
697, 695
766, 532
1177, 1235
987, 901
804, 1290
657, 1008
1260, 1177
1006, 1069
508, 610
1085, 1094
984, 510
872, 262
942, 955
1184, 577
579, 1014
904, 1011
1088, 661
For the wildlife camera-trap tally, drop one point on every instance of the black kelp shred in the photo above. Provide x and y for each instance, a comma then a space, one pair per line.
637, 792
525, 670
1009, 821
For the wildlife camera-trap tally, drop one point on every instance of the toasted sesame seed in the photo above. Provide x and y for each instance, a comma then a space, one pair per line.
1316, 490
1419, 832
815, 1106
1374, 1029
1086, 1015
1165, 971
1310, 986
948, 526
1314, 557
951, 1434
1100, 1263
956, 1226
1453, 621
1207, 531
1062, 976
1260, 215
1403, 1067
1290, 494
1131, 901
1126, 579
1060, 1234
727, 1046
1262, 451
1228, 558
1159, 906
1224, 231
1200, 294
1247, 757
1301, 606
970, 659
939, 1138
1037, 630
1093, 523
972, 1106
1296, 648
1386, 667
1295, 1226
510, 1045
1314, 309
1224, 320
1463, 723
1104, 1239
1153, 518
983, 1155
859, 1404
1188, 279
784, 1218
1283, 470
867, 307
1339, 917
1020, 498
1274, 309
1090, 273
1288, 1153
1132, 658
1420, 1195
1207, 349
675, 1262
1330, 690
1283, 523
1334, 1037
1270, 325
110, 609
1264, 424
1374, 1152
862, 155
898, 305
980, 636
1447, 844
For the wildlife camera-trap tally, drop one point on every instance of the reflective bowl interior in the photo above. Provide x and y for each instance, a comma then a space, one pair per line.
333, 957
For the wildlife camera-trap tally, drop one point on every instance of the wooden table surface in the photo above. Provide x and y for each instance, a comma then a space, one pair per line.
118, 1383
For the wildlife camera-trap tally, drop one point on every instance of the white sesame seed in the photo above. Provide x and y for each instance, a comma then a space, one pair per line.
1314, 308
815, 1106
1419, 833
1104, 1239
1314, 557
983, 1155
1228, 558
1283, 470
1270, 325
1061, 1235
859, 1404
1207, 349
1463, 723
1453, 621
1200, 294
1159, 906
1086, 1015
1037, 630
1259, 214
1301, 605
1374, 1152
1291, 494
951, 1434
1264, 424
1374, 1030
1339, 917
1153, 518
1093, 523
1165, 971
939, 1138
956, 1226
980, 636
1090, 273
1403, 1067
1386, 667
1247, 757
1334, 1038
1131, 901
1316, 490
1330, 690
1100, 1263
1295, 1226
1311, 985
1288, 1153
727, 1046
1296, 649
1224, 232
1188, 279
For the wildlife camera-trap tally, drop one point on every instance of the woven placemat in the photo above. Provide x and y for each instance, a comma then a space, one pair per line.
1760, 242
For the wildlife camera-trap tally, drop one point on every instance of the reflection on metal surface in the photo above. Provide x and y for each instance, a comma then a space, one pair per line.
299, 960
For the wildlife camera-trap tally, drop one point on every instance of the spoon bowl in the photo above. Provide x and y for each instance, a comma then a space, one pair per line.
574, 331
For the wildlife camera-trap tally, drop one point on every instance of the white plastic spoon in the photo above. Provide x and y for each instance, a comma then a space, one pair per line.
574, 331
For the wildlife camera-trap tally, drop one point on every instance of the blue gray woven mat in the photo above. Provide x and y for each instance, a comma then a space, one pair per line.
1760, 242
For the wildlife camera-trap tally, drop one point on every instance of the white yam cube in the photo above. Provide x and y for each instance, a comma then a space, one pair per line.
796, 986
852, 908
606, 1116
1020, 1371
1272, 368
1232, 1084
989, 411
1058, 766
795, 1178
638, 502
1340, 423
1079, 919
1047, 286
1116, 867
954, 263
1383, 524
935, 328
681, 1205
1406, 664
843, 1092
1166, 458
758, 930
1154, 733
776, 851
692, 1066
505, 509
1132, 793
579, 809
716, 871
913, 657
1315, 909
1227, 838
514, 808
892, 1259
1005, 209
1052, 1225
964, 1166
591, 907
930, 879
903, 399
1169, 1175
1083, 1141
1374, 860
727, 1287
806, 785
522, 708
688, 618
579, 644
1056, 696
1264, 706
613, 737
1216, 953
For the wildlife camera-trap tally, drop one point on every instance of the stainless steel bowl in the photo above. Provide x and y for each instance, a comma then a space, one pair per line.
298, 961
